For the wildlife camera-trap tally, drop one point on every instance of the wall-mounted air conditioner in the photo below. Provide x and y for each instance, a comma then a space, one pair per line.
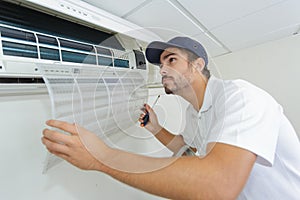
29, 37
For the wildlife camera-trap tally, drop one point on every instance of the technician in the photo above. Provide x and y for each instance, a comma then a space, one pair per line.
246, 147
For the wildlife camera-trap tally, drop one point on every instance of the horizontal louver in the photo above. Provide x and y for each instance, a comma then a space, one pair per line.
19, 49
49, 54
17, 34
25, 43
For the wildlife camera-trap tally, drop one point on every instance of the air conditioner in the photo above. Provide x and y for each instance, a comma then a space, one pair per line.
30, 42
95, 73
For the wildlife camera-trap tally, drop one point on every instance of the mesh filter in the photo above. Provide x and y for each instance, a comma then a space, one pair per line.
102, 100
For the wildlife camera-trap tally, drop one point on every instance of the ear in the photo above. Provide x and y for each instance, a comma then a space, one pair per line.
200, 63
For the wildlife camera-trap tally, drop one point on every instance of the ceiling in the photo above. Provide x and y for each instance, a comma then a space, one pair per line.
221, 26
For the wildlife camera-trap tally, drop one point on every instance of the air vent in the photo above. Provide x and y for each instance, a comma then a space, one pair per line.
29, 44
19, 49
17, 34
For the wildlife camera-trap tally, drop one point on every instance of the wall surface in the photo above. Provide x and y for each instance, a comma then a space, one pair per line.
274, 66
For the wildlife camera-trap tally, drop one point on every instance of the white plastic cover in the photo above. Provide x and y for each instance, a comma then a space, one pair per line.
102, 100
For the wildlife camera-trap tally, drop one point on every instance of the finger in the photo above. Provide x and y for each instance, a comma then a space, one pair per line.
142, 115
148, 108
143, 109
57, 137
150, 111
55, 147
65, 126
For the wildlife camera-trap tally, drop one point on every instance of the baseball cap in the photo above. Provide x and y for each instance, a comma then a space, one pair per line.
155, 48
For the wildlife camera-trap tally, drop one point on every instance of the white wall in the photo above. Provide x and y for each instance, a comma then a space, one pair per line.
22, 155
274, 66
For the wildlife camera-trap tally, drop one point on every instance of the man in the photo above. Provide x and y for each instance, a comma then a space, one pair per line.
247, 148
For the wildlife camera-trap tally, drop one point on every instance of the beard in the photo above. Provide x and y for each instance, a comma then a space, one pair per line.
168, 91
178, 84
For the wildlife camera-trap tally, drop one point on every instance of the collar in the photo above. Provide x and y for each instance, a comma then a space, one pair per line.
208, 95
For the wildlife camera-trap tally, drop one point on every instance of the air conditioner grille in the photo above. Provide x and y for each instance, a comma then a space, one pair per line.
17, 34
21, 50
22, 43
47, 40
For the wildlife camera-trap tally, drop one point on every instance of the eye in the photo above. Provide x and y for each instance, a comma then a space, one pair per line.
172, 59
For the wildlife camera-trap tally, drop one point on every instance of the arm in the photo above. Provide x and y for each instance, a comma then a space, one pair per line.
171, 141
220, 175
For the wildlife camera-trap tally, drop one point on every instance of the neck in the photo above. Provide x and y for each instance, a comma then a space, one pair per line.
195, 94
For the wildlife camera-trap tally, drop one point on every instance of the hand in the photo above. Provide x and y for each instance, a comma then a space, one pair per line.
71, 147
152, 125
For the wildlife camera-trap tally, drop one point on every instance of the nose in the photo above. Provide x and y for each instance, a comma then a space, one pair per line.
163, 70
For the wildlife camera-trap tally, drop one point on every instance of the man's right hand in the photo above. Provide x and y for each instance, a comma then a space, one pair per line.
152, 125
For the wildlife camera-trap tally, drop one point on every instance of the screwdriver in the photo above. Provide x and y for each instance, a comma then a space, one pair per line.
146, 117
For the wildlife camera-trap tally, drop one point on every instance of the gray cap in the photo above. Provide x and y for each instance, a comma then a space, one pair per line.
155, 49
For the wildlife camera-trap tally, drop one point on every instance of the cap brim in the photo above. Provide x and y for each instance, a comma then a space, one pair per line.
155, 49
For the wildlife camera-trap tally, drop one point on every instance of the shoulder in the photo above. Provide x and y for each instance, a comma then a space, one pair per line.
241, 93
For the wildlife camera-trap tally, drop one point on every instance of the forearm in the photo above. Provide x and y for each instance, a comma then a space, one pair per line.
173, 178
171, 141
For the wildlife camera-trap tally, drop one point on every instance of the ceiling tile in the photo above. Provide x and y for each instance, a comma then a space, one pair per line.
276, 35
272, 23
214, 13
161, 15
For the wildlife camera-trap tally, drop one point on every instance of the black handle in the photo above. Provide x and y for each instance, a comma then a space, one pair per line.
145, 119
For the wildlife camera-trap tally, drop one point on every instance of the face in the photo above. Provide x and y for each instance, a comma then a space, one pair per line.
175, 71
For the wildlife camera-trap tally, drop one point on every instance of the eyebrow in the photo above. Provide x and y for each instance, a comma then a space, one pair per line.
168, 55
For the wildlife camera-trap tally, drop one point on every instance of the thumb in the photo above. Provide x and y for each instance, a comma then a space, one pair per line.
149, 109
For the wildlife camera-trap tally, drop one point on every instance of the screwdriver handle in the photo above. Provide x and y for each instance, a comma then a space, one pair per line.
145, 119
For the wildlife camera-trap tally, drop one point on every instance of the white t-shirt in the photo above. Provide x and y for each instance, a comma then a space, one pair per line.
238, 113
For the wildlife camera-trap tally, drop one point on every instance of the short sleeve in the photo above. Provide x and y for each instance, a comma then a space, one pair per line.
248, 118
